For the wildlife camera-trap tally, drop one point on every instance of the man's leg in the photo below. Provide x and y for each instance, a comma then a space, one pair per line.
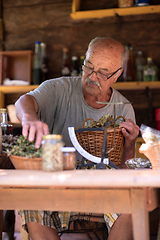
41, 232
122, 228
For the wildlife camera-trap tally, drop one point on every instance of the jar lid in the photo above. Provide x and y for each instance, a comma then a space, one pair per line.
3, 110
52, 136
68, 149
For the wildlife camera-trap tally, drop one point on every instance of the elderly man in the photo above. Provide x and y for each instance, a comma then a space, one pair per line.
67, 101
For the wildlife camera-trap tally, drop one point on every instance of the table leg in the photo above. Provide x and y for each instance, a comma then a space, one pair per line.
1, 223
140, 215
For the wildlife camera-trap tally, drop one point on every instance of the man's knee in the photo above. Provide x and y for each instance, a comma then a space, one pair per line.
122, 228
41, 232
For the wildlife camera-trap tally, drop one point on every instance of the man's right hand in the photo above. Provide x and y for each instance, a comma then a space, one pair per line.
26, 111
34, 128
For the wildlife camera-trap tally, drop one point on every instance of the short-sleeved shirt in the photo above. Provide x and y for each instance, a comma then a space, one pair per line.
61, 104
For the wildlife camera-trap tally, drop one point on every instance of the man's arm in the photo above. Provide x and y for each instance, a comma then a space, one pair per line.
26, 111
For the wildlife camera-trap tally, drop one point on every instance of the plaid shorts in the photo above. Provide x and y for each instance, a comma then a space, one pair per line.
60, 220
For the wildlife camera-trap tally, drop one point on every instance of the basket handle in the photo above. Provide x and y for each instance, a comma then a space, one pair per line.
87, 120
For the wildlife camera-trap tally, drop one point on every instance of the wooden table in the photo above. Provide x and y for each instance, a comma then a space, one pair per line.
98, 191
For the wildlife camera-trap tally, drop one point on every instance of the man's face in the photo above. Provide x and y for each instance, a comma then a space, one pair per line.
104, 62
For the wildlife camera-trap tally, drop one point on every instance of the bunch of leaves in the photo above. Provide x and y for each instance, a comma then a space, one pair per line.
101, 122
8, 141
25, 148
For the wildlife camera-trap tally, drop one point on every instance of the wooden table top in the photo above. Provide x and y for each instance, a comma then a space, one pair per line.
80, 178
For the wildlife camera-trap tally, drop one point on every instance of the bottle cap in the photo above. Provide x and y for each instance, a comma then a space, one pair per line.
52, 136
3, 110
68, 149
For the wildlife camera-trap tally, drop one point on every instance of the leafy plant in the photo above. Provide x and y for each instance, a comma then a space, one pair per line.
102, 120
25, 148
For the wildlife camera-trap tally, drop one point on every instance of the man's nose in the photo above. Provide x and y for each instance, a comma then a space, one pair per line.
93, 76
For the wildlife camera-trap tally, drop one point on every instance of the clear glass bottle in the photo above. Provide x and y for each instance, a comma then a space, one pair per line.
140, 62
44, 69
129, 72
7, 128
37, 64
81, 63
74, 68
52, 157
65, 69
150, 72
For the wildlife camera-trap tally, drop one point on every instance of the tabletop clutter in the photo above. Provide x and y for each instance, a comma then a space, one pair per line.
151, 147
53, 156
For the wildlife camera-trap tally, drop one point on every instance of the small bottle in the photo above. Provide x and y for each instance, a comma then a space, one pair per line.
37, 65
44, 69
65, 70
68, 158
81, 63
140, 63
150, 72
7, 129
128, 72
74, 68
52, 157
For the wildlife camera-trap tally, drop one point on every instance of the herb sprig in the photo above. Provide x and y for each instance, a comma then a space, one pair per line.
25, 148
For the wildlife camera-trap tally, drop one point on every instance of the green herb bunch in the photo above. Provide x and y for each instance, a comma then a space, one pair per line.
25, 148
101, 122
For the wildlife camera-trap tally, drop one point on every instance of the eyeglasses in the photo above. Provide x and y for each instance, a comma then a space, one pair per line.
99, 75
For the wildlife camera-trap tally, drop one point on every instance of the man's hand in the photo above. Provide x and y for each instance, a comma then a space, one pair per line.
130, 132
26, 112
34, 128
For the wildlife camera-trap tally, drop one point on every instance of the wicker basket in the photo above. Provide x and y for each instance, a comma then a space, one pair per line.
92, 142
26, 163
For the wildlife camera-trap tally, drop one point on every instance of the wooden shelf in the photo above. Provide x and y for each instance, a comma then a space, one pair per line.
77, 14
136, 85
118, 85
16, 65
14, 89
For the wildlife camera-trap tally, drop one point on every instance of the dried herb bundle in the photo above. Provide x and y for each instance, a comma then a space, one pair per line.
101, 122
25, 148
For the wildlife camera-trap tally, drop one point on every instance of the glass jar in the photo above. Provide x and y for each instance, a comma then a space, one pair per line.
125, 3
52, 158
68, 158
7, 128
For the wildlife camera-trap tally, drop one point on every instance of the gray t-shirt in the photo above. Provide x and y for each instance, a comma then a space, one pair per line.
62, 105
